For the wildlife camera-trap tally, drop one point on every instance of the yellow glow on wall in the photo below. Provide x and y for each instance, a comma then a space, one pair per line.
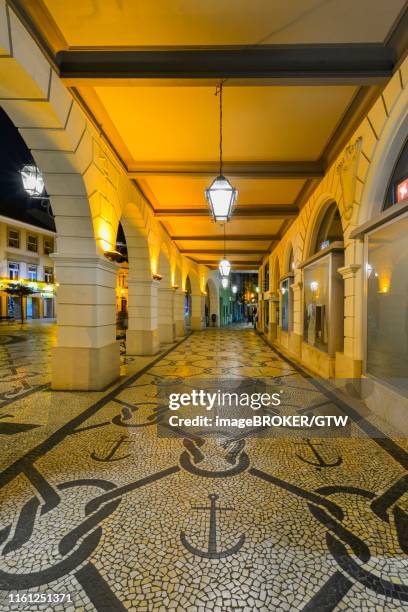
153, 264
104, 235
384, 282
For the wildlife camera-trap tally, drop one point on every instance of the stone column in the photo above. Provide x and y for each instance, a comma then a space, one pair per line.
179, 313
273, 323
165, 312
142, 336
41, 308
349, 362
87, 354
296, 335
197, 311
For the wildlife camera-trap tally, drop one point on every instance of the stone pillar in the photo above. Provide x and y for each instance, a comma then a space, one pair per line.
273, 322
142, 336
349, 362
179, 313
296, 334
197, 311
87, 354
165, 312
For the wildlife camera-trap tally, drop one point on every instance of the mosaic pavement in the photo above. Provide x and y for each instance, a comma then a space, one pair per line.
102, 508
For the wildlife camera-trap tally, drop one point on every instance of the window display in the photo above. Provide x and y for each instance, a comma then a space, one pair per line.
285, 304
323, 303
387, 303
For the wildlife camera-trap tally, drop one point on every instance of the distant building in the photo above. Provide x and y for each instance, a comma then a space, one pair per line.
25, 257
122, 294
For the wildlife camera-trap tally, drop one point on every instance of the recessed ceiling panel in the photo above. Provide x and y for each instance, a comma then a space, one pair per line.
221, 22
173, 124
175, 191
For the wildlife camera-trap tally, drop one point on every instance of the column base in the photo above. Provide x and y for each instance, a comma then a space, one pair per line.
84, 369
295, 344
142, 342
180, 329
167, 333
273, 332
196, 323
347, 367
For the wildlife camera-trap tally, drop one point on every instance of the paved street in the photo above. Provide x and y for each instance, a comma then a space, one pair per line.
95, 504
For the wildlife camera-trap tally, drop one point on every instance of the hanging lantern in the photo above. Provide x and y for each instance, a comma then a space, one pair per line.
224, 268
221, 195
33, 181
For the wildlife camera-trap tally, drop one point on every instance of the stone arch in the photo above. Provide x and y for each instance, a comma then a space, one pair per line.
288, 259
142, 335
385, 157
318, 214
56, 132
214, 300
275, 274
197, 300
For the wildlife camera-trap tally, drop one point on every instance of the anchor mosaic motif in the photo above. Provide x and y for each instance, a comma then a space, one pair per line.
198, 511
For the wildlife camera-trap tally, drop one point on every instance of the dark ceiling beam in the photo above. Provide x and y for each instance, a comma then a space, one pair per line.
233, 238
258, 212
355, 64
221, 251
233, 262
264, 169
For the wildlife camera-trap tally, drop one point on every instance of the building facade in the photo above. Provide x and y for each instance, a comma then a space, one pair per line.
335, 287
25, 258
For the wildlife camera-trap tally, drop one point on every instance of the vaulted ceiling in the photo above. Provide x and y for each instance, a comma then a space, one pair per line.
298, 76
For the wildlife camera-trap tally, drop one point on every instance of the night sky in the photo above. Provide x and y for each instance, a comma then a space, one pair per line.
14, 201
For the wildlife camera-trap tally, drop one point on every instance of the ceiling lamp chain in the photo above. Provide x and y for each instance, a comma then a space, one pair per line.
221, 195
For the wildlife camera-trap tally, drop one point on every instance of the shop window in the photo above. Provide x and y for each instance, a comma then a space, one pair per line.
32, 243
13, 270
48, 275
323, 303
48, 245
13, 238
397, 192
387, 303
285, 304
32, 273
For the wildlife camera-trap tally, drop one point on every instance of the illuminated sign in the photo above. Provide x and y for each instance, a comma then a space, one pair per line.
401, 190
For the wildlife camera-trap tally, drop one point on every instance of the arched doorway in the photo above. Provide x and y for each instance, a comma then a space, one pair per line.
287, 298
187, 304
323, 292
274, 302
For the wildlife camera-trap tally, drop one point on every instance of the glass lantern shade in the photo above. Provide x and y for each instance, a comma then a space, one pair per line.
224, 281
33, 181
234, 288
221, 196
224, 268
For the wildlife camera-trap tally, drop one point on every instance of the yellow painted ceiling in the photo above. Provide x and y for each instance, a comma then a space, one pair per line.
216, 22
176, 191
260, 123
203, 226
157, 122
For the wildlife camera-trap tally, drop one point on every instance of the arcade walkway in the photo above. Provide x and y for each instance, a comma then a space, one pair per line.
96, 506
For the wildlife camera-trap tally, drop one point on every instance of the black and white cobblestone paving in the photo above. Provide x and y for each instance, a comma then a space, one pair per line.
119, 518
